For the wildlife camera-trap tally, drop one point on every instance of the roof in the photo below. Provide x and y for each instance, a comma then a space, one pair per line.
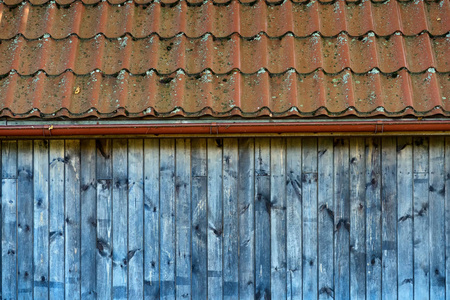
224, 58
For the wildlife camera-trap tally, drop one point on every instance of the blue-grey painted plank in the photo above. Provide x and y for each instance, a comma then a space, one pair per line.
230, 219
56, 225
167, 219
421, 221
215, 225
309, 218
373, 219
135, 255
447, 217
151, 218
88, 198
120, 218
325, 218
73, 213
103, 259
278, 218
341, 219
9, 159
389, 217
104, 158
262, 218
246, 194
40, 226
183, 218
405, 218
437, 218
25, 219
199, 221
9, 235
357, 219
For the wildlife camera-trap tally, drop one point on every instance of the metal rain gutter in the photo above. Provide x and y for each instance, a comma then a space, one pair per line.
44, 128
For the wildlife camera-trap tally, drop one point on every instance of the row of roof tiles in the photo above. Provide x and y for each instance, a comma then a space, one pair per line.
287, 94
409, 18
190, 2
362, 54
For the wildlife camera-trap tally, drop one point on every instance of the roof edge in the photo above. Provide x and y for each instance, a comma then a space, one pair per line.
220, 127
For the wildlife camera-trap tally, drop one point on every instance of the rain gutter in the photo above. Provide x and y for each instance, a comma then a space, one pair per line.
42, 128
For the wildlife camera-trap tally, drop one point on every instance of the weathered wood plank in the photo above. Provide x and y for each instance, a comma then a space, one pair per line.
167, 219
373, 218
262, 218
421, 222
9, 159
309, 218
215, 226
278, 218
199, 220
405, 218
88, 199
120, 218
230, 219
9, 235
104, 245
183, 218
40, 215
357, 219
56, 225
389, 217
437, 218
246, 194
25, 220
104, 158
73, 212
151, 218
135, 254
325, 218
341, 219
447, 217
104, 241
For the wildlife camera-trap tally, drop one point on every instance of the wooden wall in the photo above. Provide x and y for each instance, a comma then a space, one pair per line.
226, 218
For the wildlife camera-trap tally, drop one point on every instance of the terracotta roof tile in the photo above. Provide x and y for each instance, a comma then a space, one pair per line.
223, 58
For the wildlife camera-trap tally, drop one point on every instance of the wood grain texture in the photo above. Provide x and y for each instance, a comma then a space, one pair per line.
25, 220
40, 218
57, 215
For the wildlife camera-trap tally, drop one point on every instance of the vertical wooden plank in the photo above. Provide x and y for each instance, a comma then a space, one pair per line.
120, 218
56, 224
40, 226
73, 214
88, 199
341, 219
389, 218
357, 219
447, 217
215, 226
421, 222
25, 220
278, 218
230, 219
246, 194
167, 219
151, 218
309, 219
103, 257
199, 221
373, 219
262, 219
437, 218
325, 218
405, 218
183, 218
135, 255
9, 220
